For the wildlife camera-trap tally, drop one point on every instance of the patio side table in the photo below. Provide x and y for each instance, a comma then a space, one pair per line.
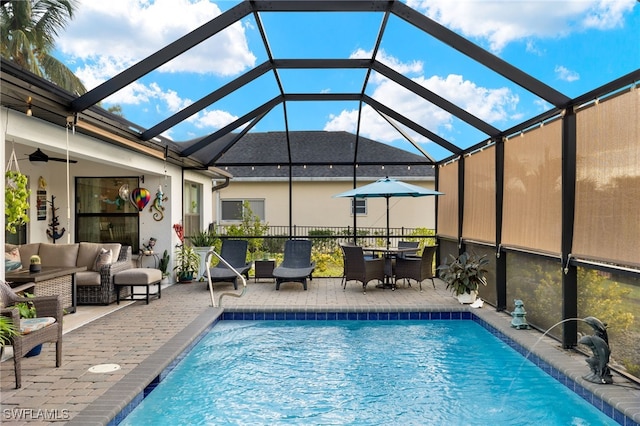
264, 269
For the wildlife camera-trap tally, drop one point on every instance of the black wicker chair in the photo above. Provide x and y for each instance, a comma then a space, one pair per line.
357, 268
417, 268
46, 306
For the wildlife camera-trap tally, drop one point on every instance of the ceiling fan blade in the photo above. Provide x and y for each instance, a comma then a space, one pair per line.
62, 160
39, 156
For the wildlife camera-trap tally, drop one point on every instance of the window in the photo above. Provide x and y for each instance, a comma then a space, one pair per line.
192, 207
233, 210
360, 206
104, 213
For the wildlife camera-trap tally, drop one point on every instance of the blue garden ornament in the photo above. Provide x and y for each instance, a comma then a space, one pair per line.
519, 315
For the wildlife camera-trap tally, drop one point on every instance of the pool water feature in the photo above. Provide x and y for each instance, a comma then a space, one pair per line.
359, 372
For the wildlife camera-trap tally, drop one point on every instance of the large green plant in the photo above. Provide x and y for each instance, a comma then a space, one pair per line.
16, 200
465, 273
204, 239
187, 260
251, 226
7, 330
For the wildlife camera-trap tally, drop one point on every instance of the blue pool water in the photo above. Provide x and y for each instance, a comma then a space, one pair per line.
359, 373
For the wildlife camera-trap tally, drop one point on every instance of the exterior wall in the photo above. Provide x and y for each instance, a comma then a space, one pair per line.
95, 158
313, 204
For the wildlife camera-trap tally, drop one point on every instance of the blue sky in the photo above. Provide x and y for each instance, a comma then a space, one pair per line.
573, 46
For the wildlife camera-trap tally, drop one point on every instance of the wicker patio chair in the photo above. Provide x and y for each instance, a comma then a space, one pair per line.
357, 268
296, 265
46, 306
235, 253
418, 269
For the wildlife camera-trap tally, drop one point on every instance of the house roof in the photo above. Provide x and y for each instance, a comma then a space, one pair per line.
312, 154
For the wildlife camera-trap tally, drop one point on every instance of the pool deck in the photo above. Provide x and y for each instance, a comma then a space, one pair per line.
143, 339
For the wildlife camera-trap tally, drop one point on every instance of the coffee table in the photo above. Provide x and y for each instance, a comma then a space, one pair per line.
50, 281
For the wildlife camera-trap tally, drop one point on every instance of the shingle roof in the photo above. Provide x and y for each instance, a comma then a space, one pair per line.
313, 154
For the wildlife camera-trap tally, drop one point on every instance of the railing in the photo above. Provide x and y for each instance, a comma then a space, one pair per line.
326, 242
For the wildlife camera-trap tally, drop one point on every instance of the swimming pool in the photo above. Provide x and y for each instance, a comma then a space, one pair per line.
359, 372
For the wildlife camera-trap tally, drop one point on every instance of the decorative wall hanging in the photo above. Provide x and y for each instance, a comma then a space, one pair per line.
52, 232
41, 199
140, 197
158, 215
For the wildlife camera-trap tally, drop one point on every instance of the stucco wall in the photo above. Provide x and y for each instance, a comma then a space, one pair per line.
313, 204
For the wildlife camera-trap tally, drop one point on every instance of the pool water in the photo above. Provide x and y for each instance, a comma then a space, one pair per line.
359, 373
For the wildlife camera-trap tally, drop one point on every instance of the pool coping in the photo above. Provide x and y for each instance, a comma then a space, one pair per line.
568, 367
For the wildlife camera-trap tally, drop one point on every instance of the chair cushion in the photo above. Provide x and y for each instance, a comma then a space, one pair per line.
29, 325
135, 276
88, 278
63, 255
26, 251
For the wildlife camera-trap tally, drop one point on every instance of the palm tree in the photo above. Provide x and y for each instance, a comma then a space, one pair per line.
29, 29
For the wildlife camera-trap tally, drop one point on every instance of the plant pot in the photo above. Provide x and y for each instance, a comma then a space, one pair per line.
202, 252
34, 352
185, 277
467, 298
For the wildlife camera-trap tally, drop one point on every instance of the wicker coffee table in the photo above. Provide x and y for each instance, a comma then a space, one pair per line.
50, 281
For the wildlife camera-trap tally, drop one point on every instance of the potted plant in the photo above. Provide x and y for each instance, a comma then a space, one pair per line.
187, 263
202, 243
16, 200
7, 330
164, 265
464, 275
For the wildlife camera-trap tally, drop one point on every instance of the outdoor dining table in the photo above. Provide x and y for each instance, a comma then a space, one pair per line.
389, 254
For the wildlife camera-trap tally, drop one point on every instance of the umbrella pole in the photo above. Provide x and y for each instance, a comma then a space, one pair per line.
388, 239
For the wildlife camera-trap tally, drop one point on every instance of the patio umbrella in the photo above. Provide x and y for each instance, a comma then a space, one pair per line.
387, 188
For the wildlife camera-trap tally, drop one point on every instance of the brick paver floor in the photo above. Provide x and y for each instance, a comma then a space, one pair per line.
142, 339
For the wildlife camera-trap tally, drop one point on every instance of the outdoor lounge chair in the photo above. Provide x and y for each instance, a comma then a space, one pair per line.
34, 331
357, 268
417, 268
296, 265
235, 253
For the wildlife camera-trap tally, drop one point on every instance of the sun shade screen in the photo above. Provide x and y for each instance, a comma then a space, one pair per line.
607, 211
532, 207
448, 203
480, 196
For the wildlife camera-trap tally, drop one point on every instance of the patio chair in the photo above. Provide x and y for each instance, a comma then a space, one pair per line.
358, 268
235, 253
33, 331
408, 244
296, 265
417, 268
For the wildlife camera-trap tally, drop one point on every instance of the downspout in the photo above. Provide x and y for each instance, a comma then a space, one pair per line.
216, 188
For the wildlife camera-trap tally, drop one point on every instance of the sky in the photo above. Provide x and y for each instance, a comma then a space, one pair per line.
574, 46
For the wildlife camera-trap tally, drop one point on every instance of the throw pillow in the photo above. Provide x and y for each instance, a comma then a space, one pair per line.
104, 258
12, 256
11, 265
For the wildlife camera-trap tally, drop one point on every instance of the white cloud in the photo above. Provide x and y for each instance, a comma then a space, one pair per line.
491, 105
128, 31
566, 74
105, 38
214, 119
502, 22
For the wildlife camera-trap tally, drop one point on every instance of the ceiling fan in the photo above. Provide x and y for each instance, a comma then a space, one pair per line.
39, 156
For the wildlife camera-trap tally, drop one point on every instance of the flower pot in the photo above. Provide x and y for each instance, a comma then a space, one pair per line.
34, 352
467, 298
185, 277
